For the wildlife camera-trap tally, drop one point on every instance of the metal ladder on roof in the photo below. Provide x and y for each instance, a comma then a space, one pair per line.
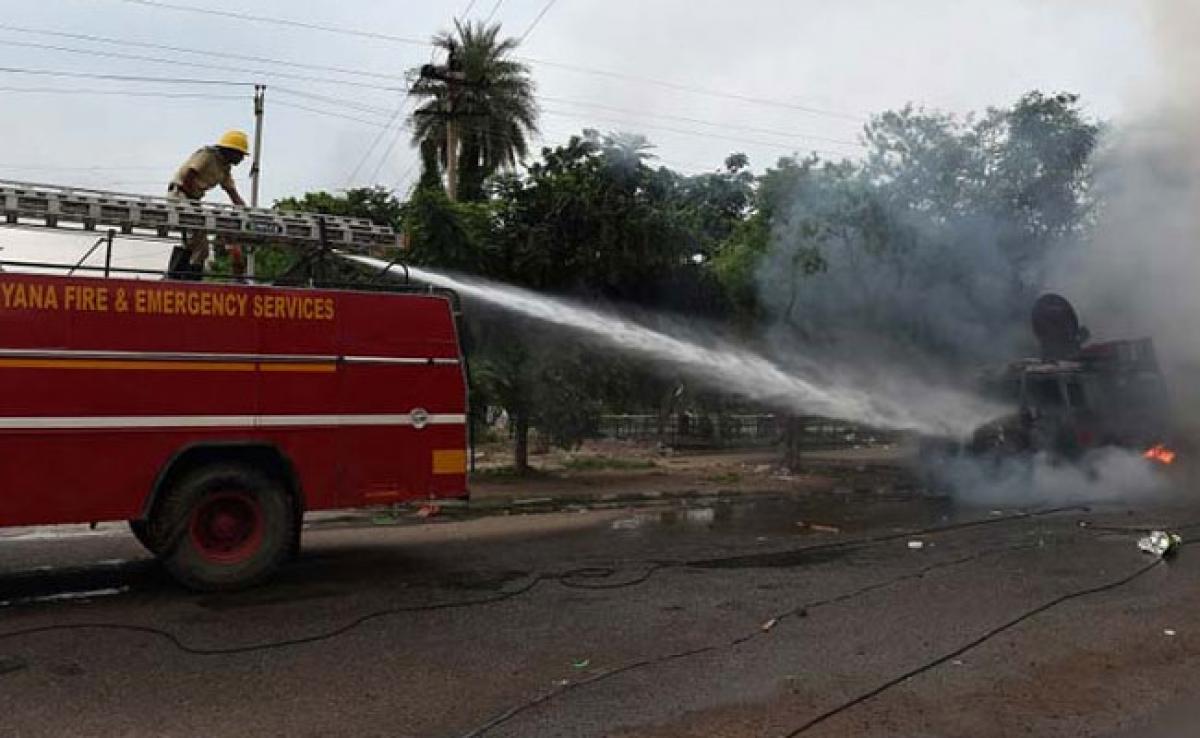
52, 206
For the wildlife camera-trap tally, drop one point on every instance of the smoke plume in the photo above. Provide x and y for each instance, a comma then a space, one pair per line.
1138, 274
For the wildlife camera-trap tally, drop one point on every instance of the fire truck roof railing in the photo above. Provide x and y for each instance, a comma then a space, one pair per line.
74, 208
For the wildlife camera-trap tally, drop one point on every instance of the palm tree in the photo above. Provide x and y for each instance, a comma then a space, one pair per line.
485, 94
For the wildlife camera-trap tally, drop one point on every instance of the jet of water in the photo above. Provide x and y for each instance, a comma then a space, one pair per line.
895, 402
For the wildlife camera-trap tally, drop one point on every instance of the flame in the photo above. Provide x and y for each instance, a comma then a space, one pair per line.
1161, 454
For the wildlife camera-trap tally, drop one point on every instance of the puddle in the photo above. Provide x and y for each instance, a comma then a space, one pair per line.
771, 518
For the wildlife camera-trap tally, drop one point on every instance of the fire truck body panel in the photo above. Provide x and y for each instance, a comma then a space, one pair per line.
104, 383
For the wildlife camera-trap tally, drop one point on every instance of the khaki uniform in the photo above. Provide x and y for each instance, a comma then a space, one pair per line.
211, 170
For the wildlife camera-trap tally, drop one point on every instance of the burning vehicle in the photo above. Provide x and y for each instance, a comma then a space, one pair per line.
1077, 395
1074, 397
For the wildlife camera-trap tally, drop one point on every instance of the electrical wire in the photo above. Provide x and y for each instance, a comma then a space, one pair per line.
492, 14
798, 611
279, 22
407, 177
545, 9
203, 65
200, 52
330, 113
387, 153
702, 121
375, 142
333, 100
175, 641
694, 90
974, 643
125, 77
544, 62
341, 70
130, 93
570, 578
98, 168
686, 132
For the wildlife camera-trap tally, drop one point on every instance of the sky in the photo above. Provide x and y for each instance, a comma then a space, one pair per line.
699, 78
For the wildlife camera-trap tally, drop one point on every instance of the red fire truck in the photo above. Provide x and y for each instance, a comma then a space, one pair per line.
212, 416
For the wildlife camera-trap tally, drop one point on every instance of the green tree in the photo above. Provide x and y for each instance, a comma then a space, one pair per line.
486, 94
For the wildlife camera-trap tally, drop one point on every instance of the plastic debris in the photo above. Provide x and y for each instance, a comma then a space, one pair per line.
585, 663
916, 545
1161, 544
770, 624
825, 528
1169, 633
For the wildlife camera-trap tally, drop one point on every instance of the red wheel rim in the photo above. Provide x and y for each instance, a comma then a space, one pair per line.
227, 527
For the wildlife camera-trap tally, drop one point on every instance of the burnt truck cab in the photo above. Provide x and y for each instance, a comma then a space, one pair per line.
1107, 394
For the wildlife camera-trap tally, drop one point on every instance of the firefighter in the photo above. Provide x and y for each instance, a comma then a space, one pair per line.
205, 169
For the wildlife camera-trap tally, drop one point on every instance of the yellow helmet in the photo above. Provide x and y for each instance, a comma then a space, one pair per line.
237, 140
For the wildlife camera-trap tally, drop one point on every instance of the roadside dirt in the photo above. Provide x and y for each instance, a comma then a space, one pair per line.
598, 470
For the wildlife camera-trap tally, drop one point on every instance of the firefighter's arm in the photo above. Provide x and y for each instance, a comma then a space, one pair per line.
231, 190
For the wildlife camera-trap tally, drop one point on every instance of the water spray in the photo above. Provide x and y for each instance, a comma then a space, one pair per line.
899, 403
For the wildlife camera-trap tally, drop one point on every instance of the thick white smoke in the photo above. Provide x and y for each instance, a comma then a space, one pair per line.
1138, 275
1105, 475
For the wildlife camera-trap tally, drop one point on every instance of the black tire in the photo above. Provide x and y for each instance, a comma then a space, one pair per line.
141, 531
224, 527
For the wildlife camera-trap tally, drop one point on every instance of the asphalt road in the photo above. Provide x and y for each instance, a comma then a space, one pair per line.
704, 619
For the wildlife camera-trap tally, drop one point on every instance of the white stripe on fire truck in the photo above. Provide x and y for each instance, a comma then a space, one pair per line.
189, 356
223, 421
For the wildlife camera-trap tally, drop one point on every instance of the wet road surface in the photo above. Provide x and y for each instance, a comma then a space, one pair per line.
749, 617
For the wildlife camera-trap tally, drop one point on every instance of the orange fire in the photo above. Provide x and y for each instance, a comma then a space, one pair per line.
1161, 454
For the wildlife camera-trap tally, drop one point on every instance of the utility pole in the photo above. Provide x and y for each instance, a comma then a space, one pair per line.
454, 78
451, 152
260, 94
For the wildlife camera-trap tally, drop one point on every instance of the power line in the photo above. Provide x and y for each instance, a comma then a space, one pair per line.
40, 167
378, 137
702, 134
387, 153
694, 90
490, 15
544, 62
280, 21
201, 65
204, 52
406, 178
332, 100
131, 93
545, 9
125, 77
697, 134
329, 113
343, 70
701, 121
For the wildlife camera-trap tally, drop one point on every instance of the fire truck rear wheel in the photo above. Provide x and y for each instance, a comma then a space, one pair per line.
231, 527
